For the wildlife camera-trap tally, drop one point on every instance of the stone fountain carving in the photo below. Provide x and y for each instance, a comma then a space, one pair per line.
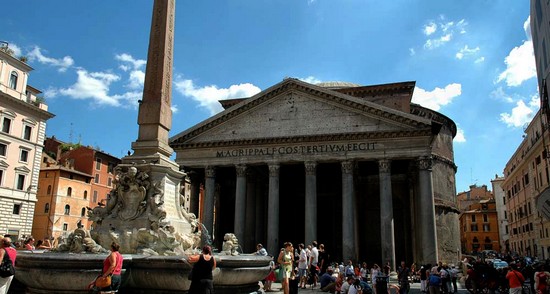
230, 244
135, 217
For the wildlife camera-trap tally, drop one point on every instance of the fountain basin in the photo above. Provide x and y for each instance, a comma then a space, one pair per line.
70, 273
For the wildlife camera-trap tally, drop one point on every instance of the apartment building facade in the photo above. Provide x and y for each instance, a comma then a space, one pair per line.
73, 179
502, 213
526, 178
23, 116
479, 227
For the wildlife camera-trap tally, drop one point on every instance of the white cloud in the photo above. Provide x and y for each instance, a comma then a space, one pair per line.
480, 60
445, 34
209, 96
522, 113
309, 2
311, 80
459, 138
62, 63
174, 108
520, 65
499, 94
94, 86
17, 52
412, 52
466, 52
127, 58
438, 97
136, 79
430, 28
527, 28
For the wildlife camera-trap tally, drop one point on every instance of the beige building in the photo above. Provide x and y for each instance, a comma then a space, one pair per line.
502, 212
358, 168
23, 117
540, 31
526, 178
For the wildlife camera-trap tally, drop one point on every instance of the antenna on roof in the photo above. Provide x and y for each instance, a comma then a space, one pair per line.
71, 134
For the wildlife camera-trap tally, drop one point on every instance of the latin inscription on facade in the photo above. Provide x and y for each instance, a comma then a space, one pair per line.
287, 150
170, 197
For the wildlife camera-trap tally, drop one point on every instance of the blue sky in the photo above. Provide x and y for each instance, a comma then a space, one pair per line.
472, 60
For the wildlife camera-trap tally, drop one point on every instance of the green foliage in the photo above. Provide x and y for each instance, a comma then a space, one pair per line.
69, 146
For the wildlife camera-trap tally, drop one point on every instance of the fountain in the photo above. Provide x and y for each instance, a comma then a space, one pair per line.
144, 212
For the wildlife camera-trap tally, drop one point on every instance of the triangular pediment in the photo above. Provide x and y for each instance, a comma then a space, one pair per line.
23, 169
295, 109
4, 164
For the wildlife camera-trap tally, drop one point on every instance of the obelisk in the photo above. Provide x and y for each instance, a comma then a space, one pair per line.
155, 114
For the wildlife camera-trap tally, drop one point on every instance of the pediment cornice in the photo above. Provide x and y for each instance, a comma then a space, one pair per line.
357, 104
308, 139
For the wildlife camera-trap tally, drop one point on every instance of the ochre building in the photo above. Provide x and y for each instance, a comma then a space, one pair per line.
358, 168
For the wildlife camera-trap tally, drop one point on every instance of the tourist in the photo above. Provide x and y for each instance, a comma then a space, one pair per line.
355, 287
348, 270
364, 272
5, 247
270, 277
324, 258
29, 243
43, 244
541, 280
203, 265
434, 282
445, 279
285, 260
313, 262
374, 273
112, 266
260, 250
454, 277
327, 282
302, 266
515, 280
424, 273
403, 278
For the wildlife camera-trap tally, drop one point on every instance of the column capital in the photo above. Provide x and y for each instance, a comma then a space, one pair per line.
210, 171
347, 167
384, 166
311, 168
274, 169
241, 170
425, 163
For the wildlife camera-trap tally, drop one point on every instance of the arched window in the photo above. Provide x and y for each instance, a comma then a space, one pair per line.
47, 208
83, 211
475, 240
67, 209
13, 80
69, 191
49, 189
85, 195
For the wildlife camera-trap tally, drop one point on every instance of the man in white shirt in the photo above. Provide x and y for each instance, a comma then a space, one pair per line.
313, 261
302, 266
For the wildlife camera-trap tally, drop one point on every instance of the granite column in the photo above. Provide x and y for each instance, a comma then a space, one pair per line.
386, 213
311, 203
240, 203
207, 214
426, 211
348, 212
273, 210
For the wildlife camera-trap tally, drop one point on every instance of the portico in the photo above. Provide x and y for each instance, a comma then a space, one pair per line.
299, 162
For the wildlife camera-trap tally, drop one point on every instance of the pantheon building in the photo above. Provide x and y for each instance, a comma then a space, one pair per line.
360, 169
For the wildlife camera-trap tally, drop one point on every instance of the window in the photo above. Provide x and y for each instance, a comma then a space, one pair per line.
83, 211
47, 208
27, 133
69, 191
95, 197
13, 80
49, 189
486, 227
110, 167
16, 208
65, 227
85, 195
67, 209
1, 176
505, 214
96, 179
3, 149
109, 182
6, 125
98, 163
24, 155
473, 228
485, 218
473, 218
20, 185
